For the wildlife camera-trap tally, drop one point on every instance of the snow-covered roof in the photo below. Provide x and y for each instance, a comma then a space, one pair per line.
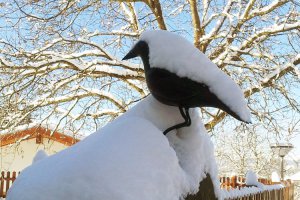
52, 126
177, 55
30, 131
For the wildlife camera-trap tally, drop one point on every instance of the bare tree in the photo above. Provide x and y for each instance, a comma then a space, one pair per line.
243, 149
61, 60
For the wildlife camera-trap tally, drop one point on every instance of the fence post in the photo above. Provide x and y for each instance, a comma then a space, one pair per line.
233, 181
7, 182
2, 184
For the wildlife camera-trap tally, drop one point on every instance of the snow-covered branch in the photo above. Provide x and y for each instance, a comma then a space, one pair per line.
71, 52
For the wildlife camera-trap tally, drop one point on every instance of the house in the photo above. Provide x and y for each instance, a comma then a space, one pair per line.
18, 149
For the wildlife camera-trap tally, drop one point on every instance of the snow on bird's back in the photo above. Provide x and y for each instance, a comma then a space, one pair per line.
177, 55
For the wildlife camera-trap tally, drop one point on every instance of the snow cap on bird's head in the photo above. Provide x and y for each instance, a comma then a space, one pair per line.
171, 52
167, 50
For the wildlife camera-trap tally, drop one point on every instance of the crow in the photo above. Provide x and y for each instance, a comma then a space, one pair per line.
178, 74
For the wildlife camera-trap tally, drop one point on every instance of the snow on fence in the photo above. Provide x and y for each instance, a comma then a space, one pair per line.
227, 183
234, 188
6, 180
239, 182
285, 193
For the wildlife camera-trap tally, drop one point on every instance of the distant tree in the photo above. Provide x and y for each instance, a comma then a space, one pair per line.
63, 58
245, 149
9, 110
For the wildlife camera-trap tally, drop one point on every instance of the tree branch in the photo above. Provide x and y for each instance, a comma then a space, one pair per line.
198, 30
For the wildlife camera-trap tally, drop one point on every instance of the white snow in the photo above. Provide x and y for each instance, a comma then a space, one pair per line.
275, 177
251, 178
47, 125
253, 187
177, 55
128, 159
246, 191
19, 128
41, 154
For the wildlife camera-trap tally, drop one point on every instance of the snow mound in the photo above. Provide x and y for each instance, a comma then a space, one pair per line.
251, 178
177, 55
275, 177
41, 154
128, 159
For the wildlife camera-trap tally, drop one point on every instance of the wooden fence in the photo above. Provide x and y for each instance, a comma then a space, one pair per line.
6, 180
286, 193
239, 182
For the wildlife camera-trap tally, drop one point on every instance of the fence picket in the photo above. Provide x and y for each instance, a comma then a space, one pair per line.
6, 181
2, 185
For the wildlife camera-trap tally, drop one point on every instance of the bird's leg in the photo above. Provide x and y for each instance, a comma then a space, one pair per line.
182, 113
186, 117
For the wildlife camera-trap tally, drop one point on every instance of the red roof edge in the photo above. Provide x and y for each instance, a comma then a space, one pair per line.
35, 132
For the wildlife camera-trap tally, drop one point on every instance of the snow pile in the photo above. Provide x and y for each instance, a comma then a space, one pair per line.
193, 146
275, 177
252, 180
129, 159
41, 154
185, 60
195, 152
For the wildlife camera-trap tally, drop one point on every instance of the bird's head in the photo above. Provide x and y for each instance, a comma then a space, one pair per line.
141, 49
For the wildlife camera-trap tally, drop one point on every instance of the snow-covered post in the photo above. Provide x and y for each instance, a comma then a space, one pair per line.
282, 150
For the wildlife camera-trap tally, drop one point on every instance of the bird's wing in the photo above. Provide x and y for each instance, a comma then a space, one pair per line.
173, 90
169, 86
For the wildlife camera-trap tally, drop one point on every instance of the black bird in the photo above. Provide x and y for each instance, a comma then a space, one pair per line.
181, 90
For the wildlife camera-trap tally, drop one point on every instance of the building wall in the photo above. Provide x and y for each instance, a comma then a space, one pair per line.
16, 157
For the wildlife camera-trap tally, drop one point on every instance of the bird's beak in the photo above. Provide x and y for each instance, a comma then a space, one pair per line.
141, 47
131, 54
134, 52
